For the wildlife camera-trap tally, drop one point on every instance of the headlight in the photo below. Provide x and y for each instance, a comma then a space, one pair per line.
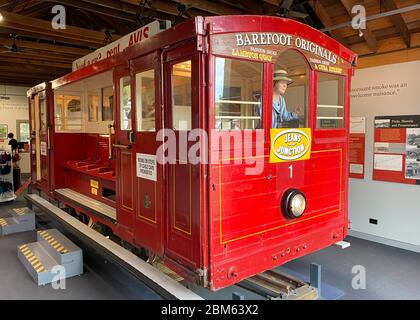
293, 203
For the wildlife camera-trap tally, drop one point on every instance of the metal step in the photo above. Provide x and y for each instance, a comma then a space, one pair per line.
88, 203
51, 249
17, 220
38, 262
65, 252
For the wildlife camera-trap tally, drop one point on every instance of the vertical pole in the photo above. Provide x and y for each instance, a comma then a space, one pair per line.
315, 276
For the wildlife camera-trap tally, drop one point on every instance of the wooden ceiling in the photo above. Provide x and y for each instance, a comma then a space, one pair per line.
45, 54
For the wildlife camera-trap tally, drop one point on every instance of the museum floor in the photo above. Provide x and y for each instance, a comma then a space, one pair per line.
391, 273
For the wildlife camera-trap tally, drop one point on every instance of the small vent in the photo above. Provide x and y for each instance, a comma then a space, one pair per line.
373, 221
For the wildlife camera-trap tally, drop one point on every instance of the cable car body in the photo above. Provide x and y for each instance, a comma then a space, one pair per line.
212, 222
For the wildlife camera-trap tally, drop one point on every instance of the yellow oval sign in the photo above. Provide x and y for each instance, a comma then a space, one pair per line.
290, 144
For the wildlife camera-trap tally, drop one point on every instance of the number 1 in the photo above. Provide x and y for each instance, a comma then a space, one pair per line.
291, 171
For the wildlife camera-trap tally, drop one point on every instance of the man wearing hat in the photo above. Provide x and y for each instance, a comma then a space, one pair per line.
280, 113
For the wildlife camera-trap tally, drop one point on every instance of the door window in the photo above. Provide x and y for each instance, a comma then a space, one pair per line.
181, 96
125, 103
145, 100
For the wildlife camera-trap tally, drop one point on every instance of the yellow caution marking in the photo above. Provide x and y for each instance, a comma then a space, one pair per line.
32, 259
54, 243
3, 222
40, 269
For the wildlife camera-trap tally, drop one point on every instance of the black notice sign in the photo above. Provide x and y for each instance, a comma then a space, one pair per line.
409, 121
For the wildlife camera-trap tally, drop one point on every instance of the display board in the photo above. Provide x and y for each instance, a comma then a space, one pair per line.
357, 142
397, 149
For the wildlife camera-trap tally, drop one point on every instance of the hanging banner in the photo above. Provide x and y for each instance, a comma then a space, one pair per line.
124, 42
397, 149
357, 147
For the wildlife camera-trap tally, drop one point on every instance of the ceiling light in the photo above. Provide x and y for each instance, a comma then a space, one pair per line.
360, 33
1, 17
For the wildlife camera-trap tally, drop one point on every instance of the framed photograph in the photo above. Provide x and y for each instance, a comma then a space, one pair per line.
3, 131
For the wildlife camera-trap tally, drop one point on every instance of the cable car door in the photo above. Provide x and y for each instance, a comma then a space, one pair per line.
40, 141
123, 149
182, 115
148, 231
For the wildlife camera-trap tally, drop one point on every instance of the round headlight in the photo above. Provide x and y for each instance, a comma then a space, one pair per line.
293, 203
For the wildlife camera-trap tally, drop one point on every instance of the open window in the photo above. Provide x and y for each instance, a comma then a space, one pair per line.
290, 91
238, 94
330, 103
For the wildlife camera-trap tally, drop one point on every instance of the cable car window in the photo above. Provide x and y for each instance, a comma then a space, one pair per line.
330, 105
145, 100
125, 103
107, 104
43, 111
93, 106
290, 91
181, 96
238, 94
68, 113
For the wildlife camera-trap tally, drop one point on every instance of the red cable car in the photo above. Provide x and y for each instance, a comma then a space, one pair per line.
219, 146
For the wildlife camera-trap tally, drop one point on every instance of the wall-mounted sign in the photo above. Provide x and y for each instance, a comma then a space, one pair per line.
267, 47
3, 131
397, 149
357, 142
290, 145
146, 166
43, 148
119, 45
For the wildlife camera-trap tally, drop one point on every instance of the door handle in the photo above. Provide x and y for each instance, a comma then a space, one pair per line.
122, 146
110, 126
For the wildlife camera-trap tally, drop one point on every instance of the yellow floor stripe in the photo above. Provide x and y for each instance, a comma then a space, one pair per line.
34, 262
37, 265
32, 259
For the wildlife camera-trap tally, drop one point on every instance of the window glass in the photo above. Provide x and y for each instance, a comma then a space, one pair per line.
43, 111
93, 106
330, 105
238, 94
108, 104
125, 103
290, 91
145, 100
68, 113
181, 96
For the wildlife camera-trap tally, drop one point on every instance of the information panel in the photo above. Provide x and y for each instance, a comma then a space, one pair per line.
397, 149
357, 147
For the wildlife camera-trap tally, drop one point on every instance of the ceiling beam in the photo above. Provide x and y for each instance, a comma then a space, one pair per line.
26, 61
368, 35
160, 5
324, 16
211, 6
44, 30
398, 21
45, 47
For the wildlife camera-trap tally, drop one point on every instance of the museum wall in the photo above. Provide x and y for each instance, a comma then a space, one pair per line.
13, 106
384, 91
